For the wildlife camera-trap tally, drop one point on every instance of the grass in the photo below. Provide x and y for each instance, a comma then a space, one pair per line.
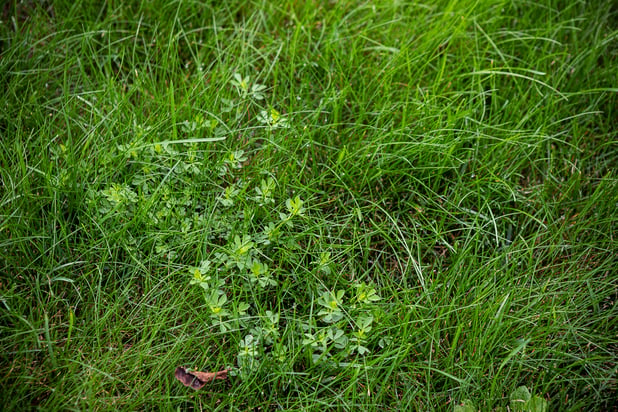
435, 222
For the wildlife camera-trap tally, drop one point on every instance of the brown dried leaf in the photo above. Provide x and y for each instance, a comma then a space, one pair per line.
196, 379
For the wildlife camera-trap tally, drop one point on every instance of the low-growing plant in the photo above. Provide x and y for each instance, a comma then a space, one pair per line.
520, 400
336, 327
240, 257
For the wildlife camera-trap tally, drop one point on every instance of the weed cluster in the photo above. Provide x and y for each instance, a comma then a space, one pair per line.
245, 235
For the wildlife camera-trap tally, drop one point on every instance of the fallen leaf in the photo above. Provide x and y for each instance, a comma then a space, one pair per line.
196, 379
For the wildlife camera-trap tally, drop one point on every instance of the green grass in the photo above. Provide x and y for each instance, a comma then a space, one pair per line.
458, 157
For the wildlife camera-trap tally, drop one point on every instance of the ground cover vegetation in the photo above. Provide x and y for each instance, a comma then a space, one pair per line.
352, 205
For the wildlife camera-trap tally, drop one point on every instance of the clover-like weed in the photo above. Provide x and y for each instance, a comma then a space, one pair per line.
520, 400
332, 306
272, 119
247, 233
246, 89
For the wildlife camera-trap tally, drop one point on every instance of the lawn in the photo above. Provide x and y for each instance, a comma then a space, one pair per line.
337, 205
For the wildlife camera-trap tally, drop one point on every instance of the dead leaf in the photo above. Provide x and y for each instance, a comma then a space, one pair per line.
196, 379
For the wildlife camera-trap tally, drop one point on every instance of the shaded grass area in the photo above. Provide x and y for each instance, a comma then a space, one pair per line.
458, 156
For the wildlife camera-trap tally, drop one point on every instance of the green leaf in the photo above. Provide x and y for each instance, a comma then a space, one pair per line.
466, 406
295, 206
537, 404
519, 399
242, 308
